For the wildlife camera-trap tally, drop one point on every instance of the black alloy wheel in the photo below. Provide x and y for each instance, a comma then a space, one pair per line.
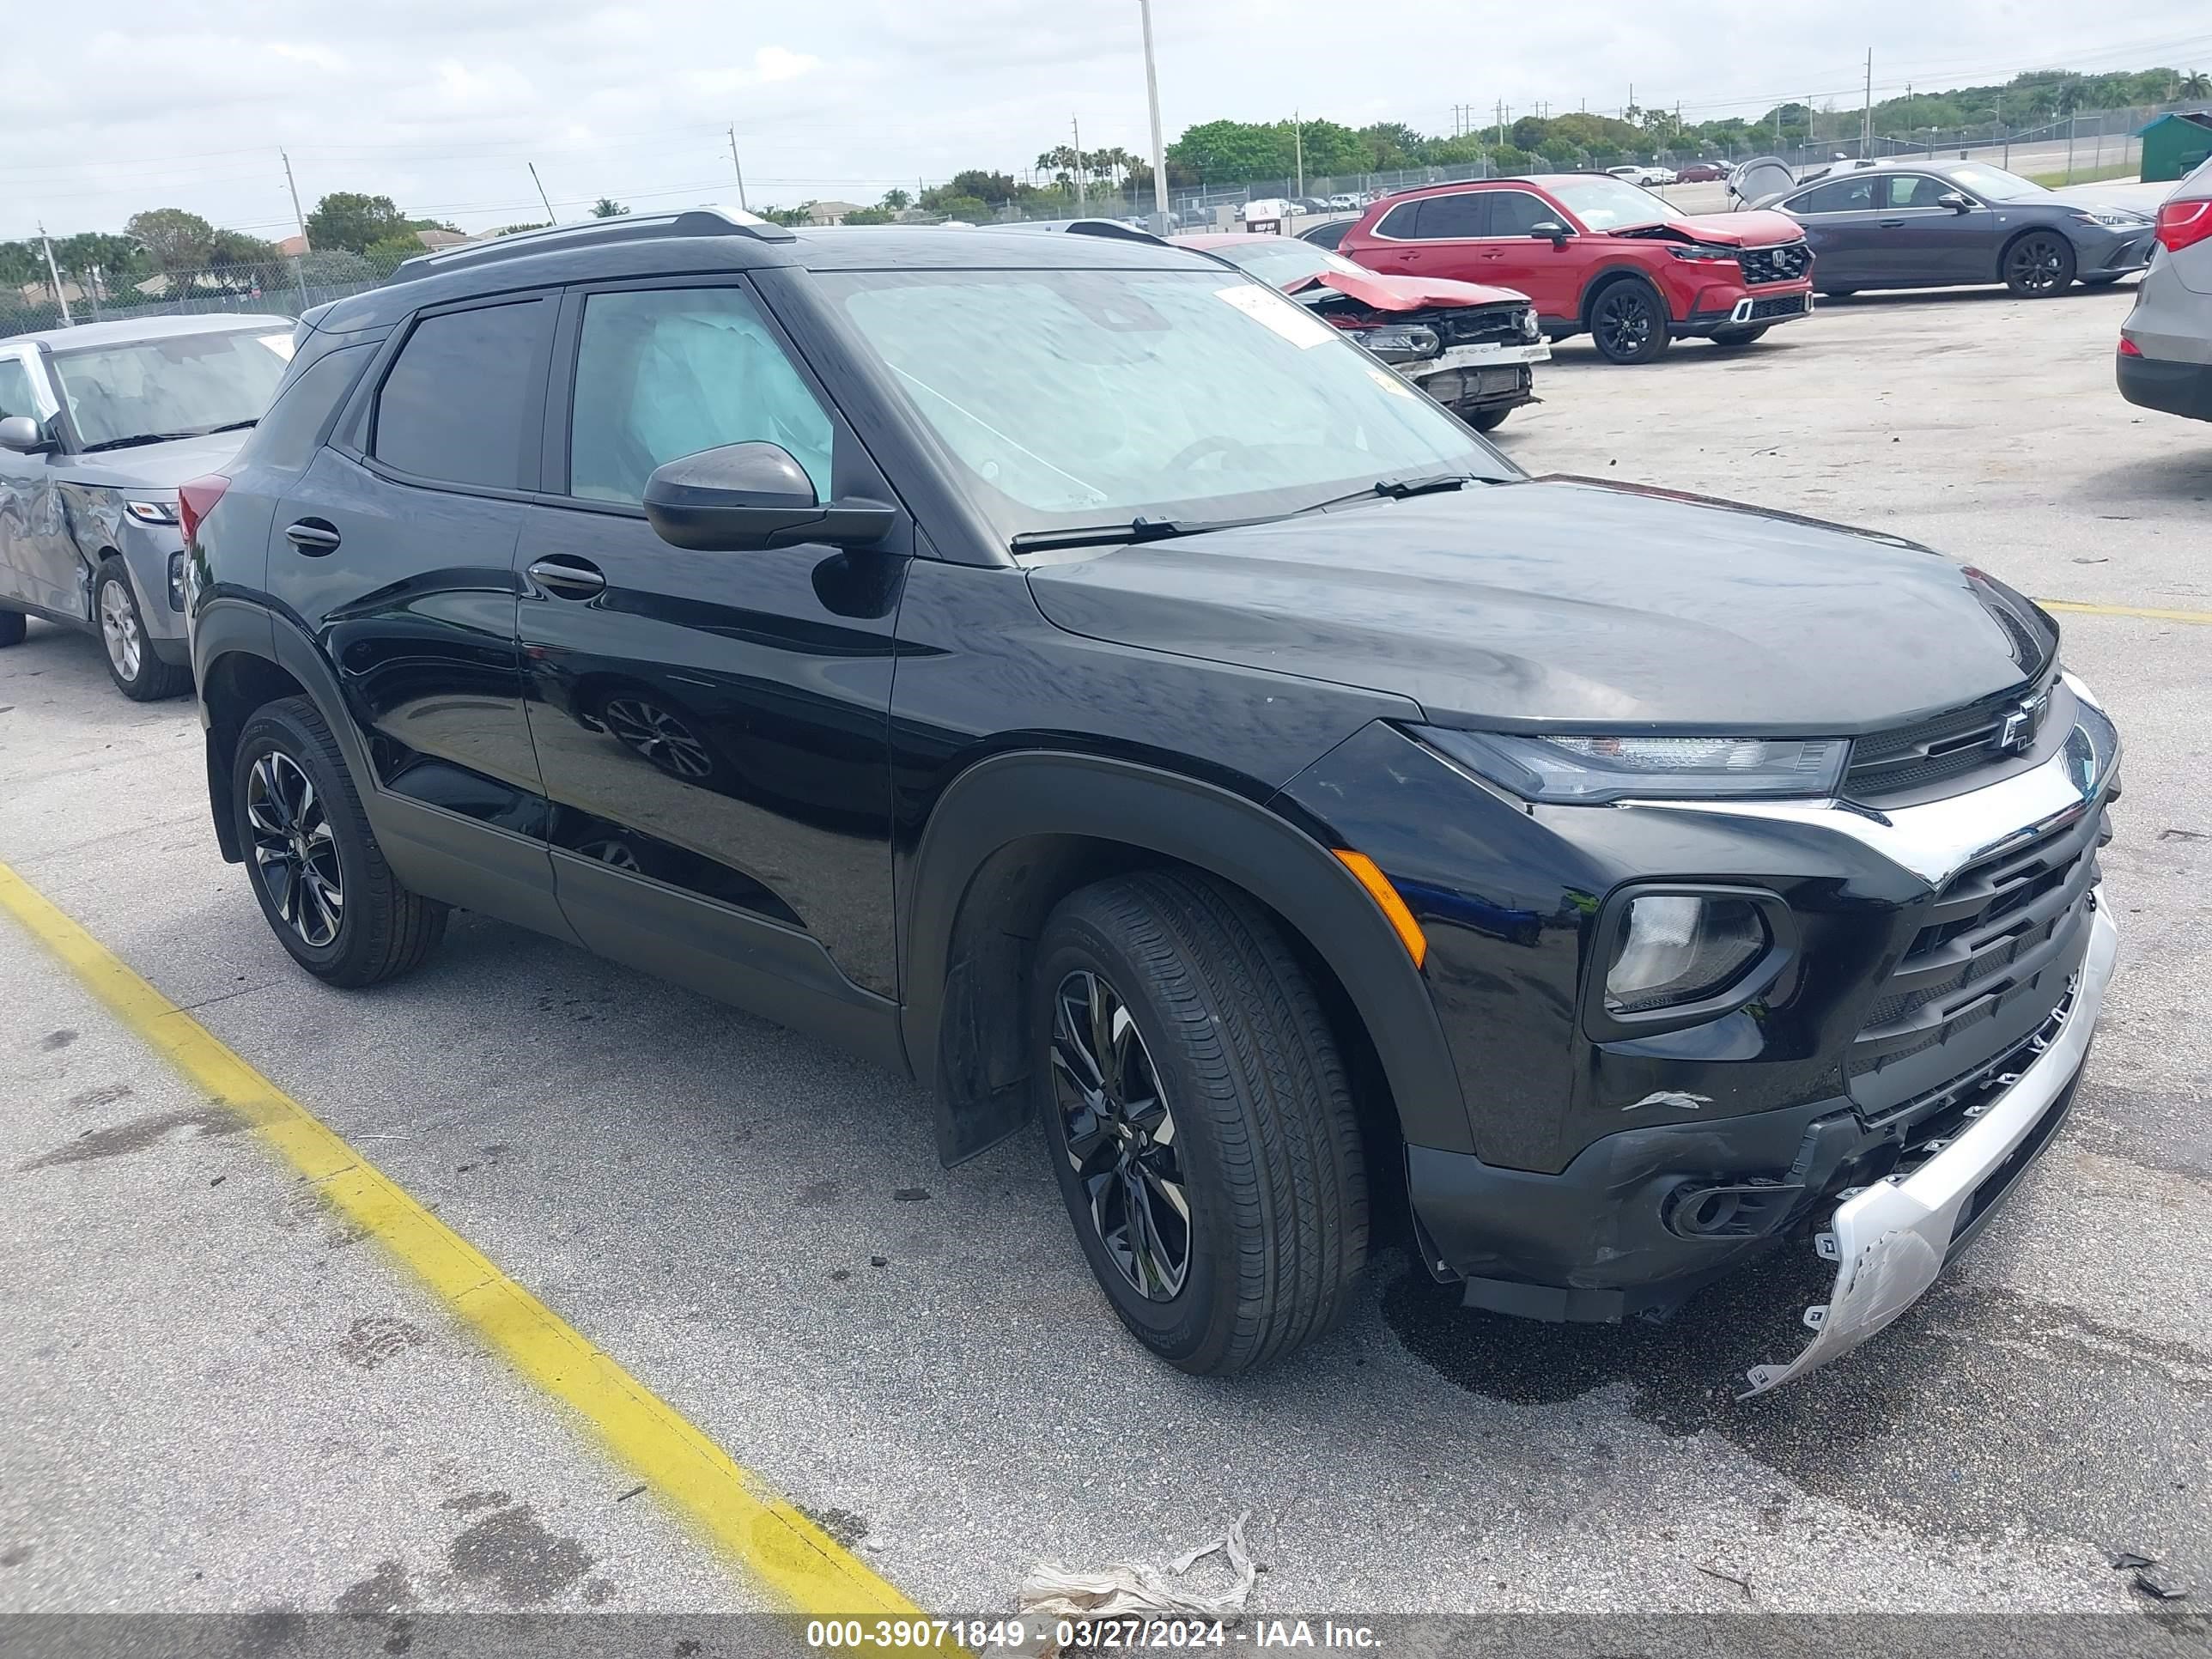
1628, 323
295, 852
1120, 1133
2039, 264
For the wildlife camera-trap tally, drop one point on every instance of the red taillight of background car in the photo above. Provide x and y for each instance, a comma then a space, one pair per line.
2129, 348
195, 500
2184, 224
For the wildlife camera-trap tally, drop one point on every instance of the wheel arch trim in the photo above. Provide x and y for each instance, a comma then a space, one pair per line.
1027, 794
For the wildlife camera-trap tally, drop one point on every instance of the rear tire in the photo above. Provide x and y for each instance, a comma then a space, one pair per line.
12, 627
1224, 1213
313, 860
1488, 420
1629, 323
1738, 337
2038, 265
138, 674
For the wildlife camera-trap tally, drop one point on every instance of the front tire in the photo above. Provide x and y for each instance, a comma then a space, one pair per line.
2039, 265
1738, 337
1488, 420
138, 674
12, 628
1629, 323
313, 860
1199, 1120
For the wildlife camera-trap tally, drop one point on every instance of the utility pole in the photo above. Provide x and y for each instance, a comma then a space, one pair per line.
1082, 200
296, 214
1152, 100
1298, 146
551, 218
1866, 121
67, 321
742, 203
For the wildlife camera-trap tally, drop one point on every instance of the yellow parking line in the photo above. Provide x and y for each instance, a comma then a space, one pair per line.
2156, 615
795, 1561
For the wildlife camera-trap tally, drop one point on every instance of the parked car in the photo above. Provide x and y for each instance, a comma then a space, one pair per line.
1597, 254
1701, 173
1945, 224
1471, 348
1644, 175
1328, 233
1345, 202
2165, 358
1270, 211
1122, 702
98, 424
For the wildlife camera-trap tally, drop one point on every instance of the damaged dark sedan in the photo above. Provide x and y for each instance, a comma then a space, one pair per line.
99, 426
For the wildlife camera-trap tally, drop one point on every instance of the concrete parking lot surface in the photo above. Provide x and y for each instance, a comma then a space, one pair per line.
220, 1402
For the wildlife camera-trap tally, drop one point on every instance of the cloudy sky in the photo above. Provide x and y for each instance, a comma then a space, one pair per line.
128, 104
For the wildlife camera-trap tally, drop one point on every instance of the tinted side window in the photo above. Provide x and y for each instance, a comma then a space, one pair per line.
1399, 222
1843, 196
1914, 190
1461, 215
1516, 213
287, 433
456, 405
670, 371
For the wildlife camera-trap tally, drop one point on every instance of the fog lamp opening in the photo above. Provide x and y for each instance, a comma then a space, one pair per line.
1681, 948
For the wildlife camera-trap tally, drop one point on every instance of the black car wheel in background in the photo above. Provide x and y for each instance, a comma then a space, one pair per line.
2039, 264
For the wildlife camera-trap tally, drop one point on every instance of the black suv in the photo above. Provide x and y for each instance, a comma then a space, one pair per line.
1069, 672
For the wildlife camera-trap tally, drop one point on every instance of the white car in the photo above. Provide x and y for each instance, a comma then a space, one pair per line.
1343, 203
1644, 175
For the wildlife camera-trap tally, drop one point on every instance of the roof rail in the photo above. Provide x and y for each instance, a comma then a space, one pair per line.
715, 221
1113, 228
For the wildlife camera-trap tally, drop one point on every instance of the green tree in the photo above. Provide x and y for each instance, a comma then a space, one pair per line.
972, 209
897, 200
345, 219
1230, 151
2195, 84
173, 239
1529, 132
386, 253
607, 208
234, 247
1388, 144
871, 216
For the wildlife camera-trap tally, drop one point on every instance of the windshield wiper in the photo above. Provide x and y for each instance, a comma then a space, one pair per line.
138, 438
1139, 529
1397, 489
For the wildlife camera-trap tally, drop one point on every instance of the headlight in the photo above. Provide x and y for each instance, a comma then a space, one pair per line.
151, 512
1400, 344
2116, 221
1677, 949
177, 580
1530, 326
1703, 253
1588, 771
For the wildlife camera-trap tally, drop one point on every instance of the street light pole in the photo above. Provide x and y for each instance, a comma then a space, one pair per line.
1153, 99
55, 277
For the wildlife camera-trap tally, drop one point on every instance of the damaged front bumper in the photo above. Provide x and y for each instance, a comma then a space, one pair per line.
1890, 1240
1479, 377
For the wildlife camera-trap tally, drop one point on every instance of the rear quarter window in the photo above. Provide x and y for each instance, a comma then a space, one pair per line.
290, 431
458, 404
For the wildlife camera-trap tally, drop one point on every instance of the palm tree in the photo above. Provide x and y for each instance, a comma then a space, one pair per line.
607, 208
2195, 84
2069, 98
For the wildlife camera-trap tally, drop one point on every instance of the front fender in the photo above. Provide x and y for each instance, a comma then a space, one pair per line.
1013, 797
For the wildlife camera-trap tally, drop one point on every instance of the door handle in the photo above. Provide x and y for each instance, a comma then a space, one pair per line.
313, 537
1887, 224
567, 578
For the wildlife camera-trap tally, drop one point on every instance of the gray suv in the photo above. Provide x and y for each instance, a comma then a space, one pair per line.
99, 426
2165, 359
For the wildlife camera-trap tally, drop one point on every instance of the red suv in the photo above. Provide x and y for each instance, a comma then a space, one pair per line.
1595, 252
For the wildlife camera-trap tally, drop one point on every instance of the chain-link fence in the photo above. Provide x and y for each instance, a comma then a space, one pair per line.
283, 288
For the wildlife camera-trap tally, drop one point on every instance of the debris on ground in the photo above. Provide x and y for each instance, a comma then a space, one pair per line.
1055, 1591
2162, 1582
2122, 1560
1743, 1584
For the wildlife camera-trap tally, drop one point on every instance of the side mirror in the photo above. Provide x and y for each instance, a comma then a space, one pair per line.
22, 434
1956, 202
1552, 231
745, 497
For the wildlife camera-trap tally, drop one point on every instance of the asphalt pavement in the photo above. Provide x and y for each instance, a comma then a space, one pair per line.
218, 1400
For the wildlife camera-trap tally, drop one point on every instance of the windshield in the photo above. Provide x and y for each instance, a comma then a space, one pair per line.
180, 386
1282, 260
1603, 203
1995, 184
1074, 398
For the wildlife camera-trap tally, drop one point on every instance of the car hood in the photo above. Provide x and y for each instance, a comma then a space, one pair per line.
1565, 599
1410, 293
1753, 227
155, 466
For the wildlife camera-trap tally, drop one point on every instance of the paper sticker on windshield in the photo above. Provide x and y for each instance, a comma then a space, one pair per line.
279, 343
1391, 383
1287, 318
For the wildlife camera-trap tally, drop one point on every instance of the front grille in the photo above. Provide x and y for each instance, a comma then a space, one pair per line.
1989, 938
1780, 304
1784, 264
1481, 326
1934, 751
